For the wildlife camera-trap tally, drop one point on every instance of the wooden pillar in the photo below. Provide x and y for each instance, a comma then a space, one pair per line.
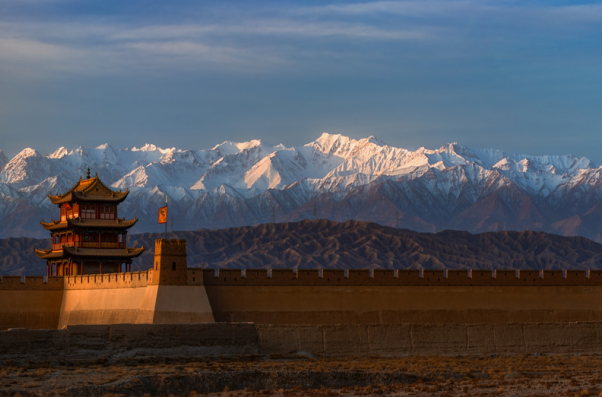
101, 267
81, 267
98, 239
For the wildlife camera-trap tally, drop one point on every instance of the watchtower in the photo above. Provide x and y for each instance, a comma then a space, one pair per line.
170, 267
88, 237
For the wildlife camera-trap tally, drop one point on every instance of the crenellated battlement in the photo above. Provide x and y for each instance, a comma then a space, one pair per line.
31, 283
315, 277
175, 293
108, 280
170, 247
376, 277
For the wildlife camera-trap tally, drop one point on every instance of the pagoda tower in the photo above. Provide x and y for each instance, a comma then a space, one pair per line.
89, 238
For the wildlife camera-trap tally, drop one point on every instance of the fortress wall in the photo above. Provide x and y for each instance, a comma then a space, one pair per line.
131, 298
195, 276
37, 308
310, 296
180, 304
31, 283
103, 306
431, 339
108, 280
404, 304
109, 298
379, 277
90, 342
30, 302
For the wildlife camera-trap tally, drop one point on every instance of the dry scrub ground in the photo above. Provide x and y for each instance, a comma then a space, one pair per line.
529, 375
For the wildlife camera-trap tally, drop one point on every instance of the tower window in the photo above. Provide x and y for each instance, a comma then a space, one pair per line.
173, 266
107, 212
88, 211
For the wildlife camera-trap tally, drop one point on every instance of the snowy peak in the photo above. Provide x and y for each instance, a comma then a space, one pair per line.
229, 148
148, 147
59, 153
277, 170
257, 166
335, 177
335, 144
248, 145
135, 178
25, 153
26, 168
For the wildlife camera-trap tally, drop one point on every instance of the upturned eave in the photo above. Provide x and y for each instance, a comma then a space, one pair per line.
105, 253
80, 223
49, 254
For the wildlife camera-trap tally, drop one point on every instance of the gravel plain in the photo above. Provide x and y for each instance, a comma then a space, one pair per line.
306, 375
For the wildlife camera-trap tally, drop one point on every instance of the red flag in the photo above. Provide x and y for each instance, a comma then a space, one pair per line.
163, 214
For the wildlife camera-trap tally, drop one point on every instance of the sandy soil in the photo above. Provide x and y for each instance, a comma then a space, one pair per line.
307, 376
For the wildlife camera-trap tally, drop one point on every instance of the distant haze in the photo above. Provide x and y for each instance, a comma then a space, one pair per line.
523, 77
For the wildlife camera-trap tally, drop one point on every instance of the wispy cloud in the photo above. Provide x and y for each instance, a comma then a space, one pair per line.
410, 8
252, 42
101, 46
577, 13
276, 28
451, 9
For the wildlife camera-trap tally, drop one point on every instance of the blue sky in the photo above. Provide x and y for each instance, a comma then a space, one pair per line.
520, 76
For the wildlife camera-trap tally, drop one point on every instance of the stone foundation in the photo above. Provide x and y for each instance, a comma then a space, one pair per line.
146, 340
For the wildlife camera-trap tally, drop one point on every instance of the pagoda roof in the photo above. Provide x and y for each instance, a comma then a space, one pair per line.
48, 254
68, 252
90, 223
104, 252
91, 189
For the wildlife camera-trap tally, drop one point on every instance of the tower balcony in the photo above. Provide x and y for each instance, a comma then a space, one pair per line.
88, 244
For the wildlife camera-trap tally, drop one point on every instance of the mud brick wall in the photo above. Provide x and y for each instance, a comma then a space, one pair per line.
97, 341
89, 342
379, 277
431, 339
108, 281
30, 302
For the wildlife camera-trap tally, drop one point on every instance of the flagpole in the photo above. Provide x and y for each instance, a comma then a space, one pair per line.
166, 217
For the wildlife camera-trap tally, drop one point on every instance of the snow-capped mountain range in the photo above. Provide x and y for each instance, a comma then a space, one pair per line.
333, 177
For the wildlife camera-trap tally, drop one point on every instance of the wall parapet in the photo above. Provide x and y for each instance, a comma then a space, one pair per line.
83, 343
108, 280
31, 283
397, 277
316, 277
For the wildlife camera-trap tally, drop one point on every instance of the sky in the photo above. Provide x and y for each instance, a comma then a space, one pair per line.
522, 76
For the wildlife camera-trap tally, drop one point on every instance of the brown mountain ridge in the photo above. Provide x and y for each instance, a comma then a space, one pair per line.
351, 244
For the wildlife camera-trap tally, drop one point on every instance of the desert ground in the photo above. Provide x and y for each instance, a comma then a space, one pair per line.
306, 375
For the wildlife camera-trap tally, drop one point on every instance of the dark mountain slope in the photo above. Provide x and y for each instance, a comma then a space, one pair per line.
352, 244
